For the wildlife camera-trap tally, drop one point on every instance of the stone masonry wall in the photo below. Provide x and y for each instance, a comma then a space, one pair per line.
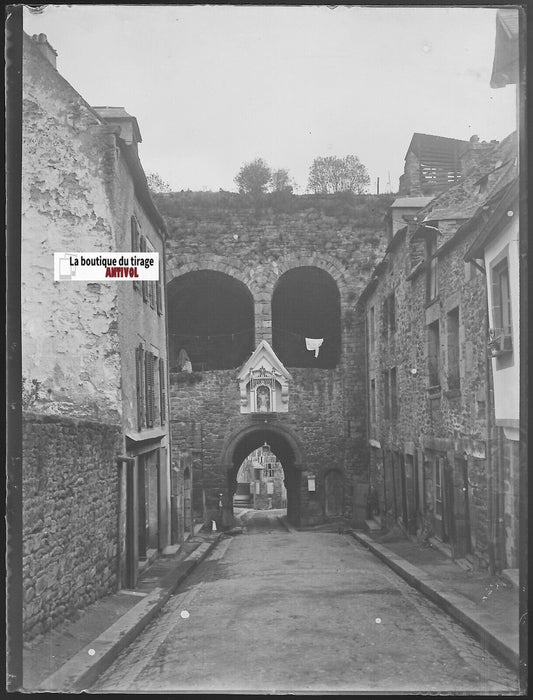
70, 349
454, 422
70, 496
256, 241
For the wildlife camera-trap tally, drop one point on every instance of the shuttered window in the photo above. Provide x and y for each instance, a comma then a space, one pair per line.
149, 382
162, 392
144, 282
158, 296
139, 366
135, 244
501, 299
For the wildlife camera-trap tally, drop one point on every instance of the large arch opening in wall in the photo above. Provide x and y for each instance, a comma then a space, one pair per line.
252, 441
210, 321
306, 305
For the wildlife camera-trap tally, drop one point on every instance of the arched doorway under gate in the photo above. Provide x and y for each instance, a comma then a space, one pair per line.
286, 448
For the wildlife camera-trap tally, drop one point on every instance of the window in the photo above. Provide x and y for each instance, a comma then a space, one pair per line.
432, 269
389, 315
501, 338
392, 312
139, 365
434, 354
150, 388
372, 329
438, 486
373, 400
386, 395
454, 379
144, 283
135, 244
158, 294
393, 394
385, 318
162, 392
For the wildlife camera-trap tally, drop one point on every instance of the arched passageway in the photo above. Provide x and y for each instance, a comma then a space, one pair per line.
306, 304
261, 482
283, 445
210, 321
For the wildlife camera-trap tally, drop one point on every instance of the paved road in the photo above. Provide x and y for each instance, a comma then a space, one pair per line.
273, 611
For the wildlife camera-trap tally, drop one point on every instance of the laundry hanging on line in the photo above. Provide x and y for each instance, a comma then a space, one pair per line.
314, 344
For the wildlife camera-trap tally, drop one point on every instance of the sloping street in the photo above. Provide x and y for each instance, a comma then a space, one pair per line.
278, 611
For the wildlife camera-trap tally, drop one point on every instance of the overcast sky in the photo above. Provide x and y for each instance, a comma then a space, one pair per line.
213, 87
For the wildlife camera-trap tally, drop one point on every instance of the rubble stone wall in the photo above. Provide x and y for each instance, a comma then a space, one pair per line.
70, 517
257, 242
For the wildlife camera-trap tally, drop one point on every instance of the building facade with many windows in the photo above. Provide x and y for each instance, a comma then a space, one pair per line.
436, 464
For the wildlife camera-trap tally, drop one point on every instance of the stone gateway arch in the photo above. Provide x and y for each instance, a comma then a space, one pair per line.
266, 346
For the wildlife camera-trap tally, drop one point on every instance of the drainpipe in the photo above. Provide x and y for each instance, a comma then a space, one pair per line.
491, 510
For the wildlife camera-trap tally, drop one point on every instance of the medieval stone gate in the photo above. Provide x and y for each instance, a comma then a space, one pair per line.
263, 295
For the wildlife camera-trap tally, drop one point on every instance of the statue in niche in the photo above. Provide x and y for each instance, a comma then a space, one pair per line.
263, 399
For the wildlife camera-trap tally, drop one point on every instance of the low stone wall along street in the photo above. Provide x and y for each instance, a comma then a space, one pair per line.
70, 496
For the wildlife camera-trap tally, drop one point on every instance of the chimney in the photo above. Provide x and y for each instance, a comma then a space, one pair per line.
45, 48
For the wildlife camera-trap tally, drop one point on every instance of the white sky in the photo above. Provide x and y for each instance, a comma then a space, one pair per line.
215, 86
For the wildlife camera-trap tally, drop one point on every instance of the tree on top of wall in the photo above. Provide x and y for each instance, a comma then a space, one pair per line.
330, 174
254, 177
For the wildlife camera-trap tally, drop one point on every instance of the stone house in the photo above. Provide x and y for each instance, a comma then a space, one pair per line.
433, 461
496, 249
96, 493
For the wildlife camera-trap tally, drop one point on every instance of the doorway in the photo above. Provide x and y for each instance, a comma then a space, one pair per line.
334, 494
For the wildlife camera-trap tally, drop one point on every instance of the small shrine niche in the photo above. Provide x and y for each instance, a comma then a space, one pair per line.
264, 383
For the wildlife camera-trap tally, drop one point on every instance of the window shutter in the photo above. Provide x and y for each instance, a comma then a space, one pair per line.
140, 393
144, 282
163, 392
385, 316
134, 243
149, 371
159, 300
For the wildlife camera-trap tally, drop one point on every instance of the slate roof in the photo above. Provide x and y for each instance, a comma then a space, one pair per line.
461, 201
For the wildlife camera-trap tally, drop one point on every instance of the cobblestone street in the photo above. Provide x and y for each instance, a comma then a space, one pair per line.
302, 612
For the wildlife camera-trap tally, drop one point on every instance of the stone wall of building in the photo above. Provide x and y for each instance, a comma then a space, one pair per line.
70, 518
256, 242
448, 420
65, 208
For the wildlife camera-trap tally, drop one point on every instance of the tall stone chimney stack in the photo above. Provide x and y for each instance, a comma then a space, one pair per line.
45, 48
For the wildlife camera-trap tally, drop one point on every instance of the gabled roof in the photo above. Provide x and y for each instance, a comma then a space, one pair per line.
505, 66
439, 147
263, 354
489, 216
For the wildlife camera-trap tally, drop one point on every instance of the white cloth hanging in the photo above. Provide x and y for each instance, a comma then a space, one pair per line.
314, 344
